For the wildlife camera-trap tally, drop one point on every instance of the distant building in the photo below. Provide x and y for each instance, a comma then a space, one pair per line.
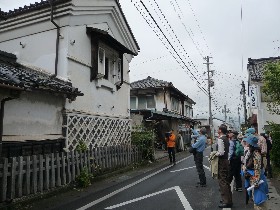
258, 111
59, 51
157, 100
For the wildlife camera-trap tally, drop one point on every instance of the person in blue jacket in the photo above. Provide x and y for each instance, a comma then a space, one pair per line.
199, 147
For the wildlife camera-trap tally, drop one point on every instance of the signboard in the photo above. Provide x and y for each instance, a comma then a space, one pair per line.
253, 96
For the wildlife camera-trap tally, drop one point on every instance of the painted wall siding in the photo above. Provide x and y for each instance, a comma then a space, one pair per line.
160, 105
33, 114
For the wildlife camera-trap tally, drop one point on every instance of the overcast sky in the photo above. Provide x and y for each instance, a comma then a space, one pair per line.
216, 28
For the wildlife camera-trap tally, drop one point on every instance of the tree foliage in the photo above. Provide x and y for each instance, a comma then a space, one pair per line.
275, 152
144, 139
271, 88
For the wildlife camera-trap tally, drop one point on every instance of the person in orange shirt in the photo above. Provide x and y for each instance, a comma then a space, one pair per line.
171, 141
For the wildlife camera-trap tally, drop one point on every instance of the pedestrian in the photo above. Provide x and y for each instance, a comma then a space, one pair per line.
179, 142
223, 167
235, 160
199, 147
268, 169
261, 142
171, 142
254, 173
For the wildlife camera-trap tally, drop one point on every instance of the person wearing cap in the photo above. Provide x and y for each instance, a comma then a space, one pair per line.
223, 167
199, 146
254, 173
235, 161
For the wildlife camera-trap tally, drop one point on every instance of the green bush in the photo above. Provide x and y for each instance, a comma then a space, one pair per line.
275, 152
144, 138
82, 146
84, 179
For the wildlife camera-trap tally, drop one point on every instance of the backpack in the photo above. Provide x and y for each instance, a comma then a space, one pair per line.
238, 150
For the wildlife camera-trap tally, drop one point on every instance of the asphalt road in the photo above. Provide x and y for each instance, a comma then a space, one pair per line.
170, 187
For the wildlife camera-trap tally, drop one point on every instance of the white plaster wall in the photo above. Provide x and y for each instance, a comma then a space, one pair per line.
263, 115
40, 38
33, 114
159, 97
96, 100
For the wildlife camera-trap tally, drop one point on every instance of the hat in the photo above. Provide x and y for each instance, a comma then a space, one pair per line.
252, 140
234, 132
250, 131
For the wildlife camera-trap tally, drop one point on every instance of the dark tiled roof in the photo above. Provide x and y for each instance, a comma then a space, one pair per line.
32, 7
14, 75
256, 67
150, 82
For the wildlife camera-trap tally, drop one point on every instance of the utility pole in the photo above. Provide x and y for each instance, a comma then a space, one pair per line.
243, 93
225, 110
210, 84
239, 124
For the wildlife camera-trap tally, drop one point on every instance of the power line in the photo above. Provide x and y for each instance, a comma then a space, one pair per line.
180, 61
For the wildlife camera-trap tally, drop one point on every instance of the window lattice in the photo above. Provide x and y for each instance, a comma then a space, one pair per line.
96, 131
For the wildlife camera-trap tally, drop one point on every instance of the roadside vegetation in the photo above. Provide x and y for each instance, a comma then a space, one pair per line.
144, 138
271, 89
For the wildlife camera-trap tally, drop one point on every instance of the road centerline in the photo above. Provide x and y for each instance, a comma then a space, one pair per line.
91, 204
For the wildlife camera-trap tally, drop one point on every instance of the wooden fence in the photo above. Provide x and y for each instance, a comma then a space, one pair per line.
20, 176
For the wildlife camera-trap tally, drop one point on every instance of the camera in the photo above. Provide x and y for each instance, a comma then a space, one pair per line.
167, 134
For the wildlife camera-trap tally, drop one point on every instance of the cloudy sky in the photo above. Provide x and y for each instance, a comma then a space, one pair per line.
197, 28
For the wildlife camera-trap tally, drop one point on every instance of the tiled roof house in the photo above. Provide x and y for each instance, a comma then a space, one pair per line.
259, 114
65, 64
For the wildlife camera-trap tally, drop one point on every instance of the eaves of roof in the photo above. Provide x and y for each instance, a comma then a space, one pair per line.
256, 67
16, 76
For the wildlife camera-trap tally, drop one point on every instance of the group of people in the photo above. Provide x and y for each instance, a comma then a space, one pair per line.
236, 156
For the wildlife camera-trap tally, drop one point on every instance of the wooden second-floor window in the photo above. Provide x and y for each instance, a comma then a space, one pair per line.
174, 104
107, 57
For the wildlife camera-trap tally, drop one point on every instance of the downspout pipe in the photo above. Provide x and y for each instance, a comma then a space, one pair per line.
2, 121
57, 38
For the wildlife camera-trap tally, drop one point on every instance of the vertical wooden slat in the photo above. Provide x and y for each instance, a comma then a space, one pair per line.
34, 174
88, 161
96, 167
69, 179
63, 176
47, 172
77, 163
109, 158
4, 181
20, 176
27, 175
85, 160
52, 171
13, 178
106, 158
41, 173
73, 165
81, 158
58, 168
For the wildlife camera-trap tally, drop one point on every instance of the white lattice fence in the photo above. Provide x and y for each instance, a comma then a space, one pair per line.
96, 131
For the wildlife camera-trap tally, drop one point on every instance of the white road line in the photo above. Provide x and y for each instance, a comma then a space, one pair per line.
126, 187
183, 199
178, 190
206, 167
182, 169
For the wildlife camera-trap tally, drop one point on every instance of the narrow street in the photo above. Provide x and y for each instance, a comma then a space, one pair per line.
171, 187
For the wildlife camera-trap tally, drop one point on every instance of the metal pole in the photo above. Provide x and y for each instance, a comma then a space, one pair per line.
210, 109
239, 124
243, 91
